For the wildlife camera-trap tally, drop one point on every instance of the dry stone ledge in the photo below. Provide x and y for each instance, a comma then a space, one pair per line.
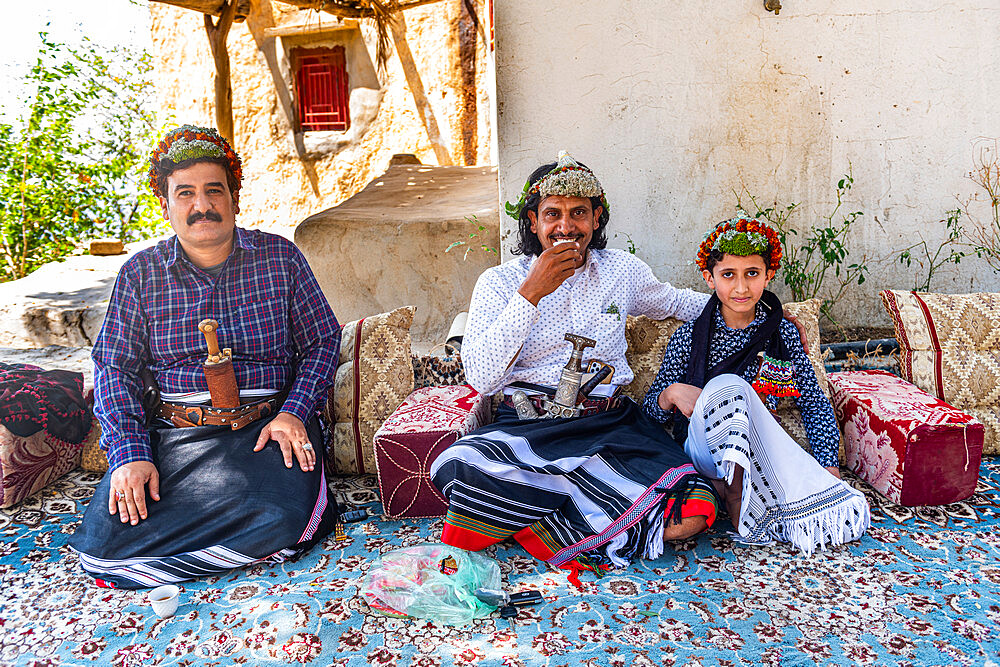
385, 246
54, 357
61, 303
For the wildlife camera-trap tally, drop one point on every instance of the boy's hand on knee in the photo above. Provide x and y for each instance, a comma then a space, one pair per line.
681, 396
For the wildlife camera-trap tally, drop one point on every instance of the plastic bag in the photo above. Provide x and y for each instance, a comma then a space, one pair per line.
431, 581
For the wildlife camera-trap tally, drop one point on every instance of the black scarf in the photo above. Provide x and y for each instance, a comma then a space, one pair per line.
766, 339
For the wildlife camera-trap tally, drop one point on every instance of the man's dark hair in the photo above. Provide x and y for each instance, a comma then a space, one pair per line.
527, 240
166, 166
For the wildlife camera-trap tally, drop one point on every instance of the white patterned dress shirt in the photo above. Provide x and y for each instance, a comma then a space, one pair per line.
503, 324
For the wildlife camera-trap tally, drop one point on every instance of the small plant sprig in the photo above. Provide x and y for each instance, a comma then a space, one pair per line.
932, 262
630, 245
809, 260
477, 239
983, 236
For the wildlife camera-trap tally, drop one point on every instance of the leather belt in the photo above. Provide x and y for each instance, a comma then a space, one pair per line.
183, 416
591, 406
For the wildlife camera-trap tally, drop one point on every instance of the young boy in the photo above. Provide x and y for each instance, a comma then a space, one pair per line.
715, 372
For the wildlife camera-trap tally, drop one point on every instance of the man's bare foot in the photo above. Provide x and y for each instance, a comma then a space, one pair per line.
688, 527
734, 497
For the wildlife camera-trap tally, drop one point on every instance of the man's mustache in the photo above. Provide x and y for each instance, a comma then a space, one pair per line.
198, 216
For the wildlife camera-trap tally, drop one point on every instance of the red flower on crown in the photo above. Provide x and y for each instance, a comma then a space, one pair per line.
193, 133
744, 225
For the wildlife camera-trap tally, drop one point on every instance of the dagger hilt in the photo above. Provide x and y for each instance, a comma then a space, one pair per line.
209, 328
580, 343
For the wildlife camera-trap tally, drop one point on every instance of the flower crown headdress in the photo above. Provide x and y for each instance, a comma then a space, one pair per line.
741, 236
568, 179
189, 142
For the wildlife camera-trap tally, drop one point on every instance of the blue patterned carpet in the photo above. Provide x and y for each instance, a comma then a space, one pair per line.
923, 588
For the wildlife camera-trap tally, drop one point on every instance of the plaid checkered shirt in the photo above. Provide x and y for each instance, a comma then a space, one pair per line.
271, 313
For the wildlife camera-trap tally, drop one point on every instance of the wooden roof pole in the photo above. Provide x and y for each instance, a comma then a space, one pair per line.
398, 28
217, 34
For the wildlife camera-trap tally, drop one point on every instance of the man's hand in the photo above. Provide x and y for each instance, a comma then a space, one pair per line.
290, 434
681, 396
127, 496
552, 267
801, 327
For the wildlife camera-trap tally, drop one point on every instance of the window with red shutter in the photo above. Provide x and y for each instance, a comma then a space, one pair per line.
321, 88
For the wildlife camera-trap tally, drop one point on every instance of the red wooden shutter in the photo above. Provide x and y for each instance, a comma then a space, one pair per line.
321, 88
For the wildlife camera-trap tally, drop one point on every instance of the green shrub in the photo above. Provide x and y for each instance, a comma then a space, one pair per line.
73, 161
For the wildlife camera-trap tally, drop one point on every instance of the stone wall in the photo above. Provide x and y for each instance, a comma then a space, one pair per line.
675, 105
286, 178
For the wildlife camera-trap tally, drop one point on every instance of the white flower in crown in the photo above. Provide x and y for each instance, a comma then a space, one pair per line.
570, 179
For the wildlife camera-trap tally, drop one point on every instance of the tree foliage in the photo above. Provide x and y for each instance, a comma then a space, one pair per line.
73, 161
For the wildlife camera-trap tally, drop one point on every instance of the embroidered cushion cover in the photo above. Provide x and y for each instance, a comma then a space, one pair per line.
949, 346
912, 447
428, 421
28, 464
431, 371
375, 375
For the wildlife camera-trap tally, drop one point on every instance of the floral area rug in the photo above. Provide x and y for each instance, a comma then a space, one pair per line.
922, 588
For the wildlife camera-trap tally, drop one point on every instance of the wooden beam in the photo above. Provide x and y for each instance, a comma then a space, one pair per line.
416, 85
310, 28
353, 10
468, 115
217, 34
213, 7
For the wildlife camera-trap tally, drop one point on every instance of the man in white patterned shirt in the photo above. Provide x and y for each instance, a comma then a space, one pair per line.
583, 492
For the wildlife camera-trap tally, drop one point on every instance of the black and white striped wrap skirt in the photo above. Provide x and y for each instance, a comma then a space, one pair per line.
600, 487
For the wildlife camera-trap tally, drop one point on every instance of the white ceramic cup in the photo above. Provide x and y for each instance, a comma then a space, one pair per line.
164, 600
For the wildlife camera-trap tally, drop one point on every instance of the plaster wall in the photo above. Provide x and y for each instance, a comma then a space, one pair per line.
677, 105
285, 179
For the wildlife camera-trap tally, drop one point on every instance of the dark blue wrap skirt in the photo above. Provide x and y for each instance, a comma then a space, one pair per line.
221, 506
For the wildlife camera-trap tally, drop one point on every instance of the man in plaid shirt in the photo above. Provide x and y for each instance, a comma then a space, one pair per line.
273, 316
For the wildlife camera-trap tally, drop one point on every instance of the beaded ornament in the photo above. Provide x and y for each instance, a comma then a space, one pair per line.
775, 378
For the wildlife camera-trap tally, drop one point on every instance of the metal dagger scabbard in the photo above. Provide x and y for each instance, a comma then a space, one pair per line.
570, 395
218, 369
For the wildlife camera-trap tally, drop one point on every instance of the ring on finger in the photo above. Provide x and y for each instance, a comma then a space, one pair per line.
307, 447
119, 495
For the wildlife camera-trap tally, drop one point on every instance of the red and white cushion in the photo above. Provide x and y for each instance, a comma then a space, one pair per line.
912, 447
427, 423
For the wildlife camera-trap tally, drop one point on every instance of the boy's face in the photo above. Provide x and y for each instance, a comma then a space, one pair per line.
739, 283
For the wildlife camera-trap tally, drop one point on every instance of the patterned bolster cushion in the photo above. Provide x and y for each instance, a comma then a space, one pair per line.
912, 447
29, 463
375, 375
647, 339
431, 371
949, 346
427, 423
